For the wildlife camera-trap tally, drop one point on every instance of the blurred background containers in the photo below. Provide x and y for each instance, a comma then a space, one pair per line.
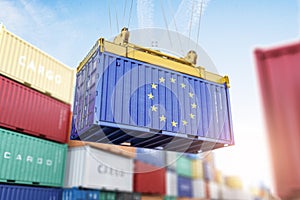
214, 191
184, 187
171, 159
171, 183
197, 169
152, 197
278, 71
151, 156
184, 166
76, 194
14, 192
199, 188
90, 167
28, 111
28, 65
149, 179
29, 160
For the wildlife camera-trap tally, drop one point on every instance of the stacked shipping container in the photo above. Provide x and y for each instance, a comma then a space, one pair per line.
35, 96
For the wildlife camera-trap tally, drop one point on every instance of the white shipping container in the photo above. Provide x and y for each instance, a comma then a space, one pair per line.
90, 167
171, 158
199, 188
171, 182
235, 194
28, 65
214, 190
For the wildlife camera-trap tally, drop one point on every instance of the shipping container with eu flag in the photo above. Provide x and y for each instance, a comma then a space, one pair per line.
126, 94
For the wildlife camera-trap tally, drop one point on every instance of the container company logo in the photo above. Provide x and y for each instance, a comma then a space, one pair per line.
34, 67
103, 169
27, 158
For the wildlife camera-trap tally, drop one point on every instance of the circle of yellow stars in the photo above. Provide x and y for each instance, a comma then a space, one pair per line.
163, 118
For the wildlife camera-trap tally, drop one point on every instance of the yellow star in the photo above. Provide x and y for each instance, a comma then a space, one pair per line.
192, 116
173, 80
153, 86
150, 96
162, 118
194, 105
183, 85
174, 124
154, 108
162, 80
191, 94
184, 122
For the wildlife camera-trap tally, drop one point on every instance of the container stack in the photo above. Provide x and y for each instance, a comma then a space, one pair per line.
35, 96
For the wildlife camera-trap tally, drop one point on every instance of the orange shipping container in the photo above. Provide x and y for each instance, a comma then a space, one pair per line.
28, 65
145, 197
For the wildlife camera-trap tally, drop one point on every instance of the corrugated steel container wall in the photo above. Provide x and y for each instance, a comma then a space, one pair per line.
89, 167
149, 179
29, 111
214, 190
184, 187
171, 183
29, 160
184, 166
77, 194
145, 197
171, 158
108, 195
170, 198
128, 196
197, 169
233, 194
208, 171
199, 188
13, 192
25, 63
278, 71
114, 89
151, 156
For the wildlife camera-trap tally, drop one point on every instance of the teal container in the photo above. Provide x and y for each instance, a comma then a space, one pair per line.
170, 198
184, 166
28, 160
107, 195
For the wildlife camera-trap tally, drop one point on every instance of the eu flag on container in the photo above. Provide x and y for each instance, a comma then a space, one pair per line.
114, 91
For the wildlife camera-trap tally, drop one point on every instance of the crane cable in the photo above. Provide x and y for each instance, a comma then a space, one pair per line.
130, 12
199, 23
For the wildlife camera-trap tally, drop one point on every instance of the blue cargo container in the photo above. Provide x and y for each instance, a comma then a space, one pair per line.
184, 187
14, 192
120, 99
151, 156
78, 194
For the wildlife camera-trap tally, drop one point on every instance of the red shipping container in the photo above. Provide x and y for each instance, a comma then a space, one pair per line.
279, 75
28, 111
149, 179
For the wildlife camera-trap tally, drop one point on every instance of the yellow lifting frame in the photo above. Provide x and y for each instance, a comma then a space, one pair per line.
156, 58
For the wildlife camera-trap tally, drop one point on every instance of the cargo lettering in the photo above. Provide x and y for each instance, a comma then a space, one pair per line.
49, 74
39, 161
102, 169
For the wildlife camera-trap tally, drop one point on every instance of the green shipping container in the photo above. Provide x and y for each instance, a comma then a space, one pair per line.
169, 198
28, 160
184, 166
107, 195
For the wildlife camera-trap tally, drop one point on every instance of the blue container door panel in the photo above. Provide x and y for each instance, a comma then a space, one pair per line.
168, 103
184, 126
155, 106
133, 95
161, 97
104, 85
223, 114
117, 93
126, 92
193, 100
111, 82
229, 131
141, 96
175, 104
150, 103
198, 108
